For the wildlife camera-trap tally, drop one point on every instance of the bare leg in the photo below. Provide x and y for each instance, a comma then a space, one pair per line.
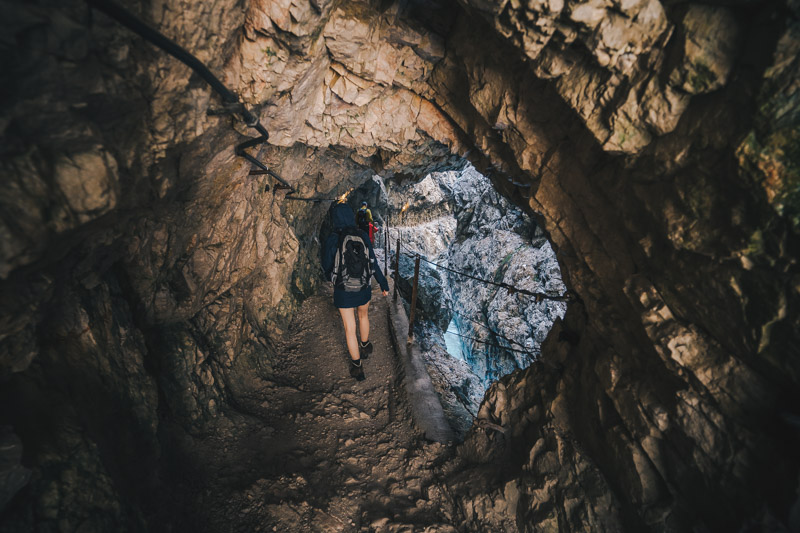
349, 321
363, 322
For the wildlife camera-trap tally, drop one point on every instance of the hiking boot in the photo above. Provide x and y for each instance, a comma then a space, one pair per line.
357, 370
365, 348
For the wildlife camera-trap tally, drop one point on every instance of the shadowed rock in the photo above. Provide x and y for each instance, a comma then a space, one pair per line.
148, 280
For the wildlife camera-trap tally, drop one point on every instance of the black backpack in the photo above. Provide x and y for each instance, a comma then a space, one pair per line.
361, 218
351, 269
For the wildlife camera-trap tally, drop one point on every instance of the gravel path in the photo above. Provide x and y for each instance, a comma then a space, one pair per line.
315, 450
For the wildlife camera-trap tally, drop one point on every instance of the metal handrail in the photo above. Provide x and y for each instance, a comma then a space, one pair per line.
232, 104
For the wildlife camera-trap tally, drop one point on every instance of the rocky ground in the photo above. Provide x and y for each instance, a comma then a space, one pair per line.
314, 450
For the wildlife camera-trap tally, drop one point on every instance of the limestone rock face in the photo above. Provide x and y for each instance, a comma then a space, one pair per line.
709, 37
497, 242
146, 275
421, 216
430, 291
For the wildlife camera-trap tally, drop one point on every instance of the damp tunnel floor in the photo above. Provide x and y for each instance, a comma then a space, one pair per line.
311, 449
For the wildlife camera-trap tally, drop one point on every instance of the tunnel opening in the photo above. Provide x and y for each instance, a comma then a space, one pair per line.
478, 251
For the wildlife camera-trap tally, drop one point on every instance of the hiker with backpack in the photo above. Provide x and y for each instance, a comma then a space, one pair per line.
348, 260
373, 229
364, 217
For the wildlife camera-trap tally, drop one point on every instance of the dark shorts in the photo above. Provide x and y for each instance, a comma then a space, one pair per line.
348, 300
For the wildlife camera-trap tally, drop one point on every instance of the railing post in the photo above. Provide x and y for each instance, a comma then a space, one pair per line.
396, 267
413, 302
386, 251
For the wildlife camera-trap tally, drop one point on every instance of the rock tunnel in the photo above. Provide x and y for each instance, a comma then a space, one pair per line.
150, 280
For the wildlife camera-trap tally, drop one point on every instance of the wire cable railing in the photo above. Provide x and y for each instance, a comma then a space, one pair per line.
231, 102
403, 249
488, 343
493, 332
539, 296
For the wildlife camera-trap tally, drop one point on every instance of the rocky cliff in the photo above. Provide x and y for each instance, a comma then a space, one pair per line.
147, 276
457, 220
497, 242
466, 232
419, 213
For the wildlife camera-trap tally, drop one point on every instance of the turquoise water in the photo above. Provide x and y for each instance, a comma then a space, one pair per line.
452, 341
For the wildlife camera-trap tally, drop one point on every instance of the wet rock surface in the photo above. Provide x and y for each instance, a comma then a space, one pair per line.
431, 303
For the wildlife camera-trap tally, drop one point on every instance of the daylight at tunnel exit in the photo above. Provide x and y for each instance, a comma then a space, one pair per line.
384, 266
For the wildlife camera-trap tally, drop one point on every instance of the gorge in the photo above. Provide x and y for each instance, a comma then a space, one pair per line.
157, 295
466, 232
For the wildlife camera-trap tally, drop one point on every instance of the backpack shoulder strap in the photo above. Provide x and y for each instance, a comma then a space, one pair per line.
338, 259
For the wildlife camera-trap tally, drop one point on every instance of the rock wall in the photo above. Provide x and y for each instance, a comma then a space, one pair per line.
648, 412
146, 274
419, 213
497, 242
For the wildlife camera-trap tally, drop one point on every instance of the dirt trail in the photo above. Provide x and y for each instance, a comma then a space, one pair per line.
315, 450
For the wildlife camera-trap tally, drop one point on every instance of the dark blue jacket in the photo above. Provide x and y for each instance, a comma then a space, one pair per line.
343, 217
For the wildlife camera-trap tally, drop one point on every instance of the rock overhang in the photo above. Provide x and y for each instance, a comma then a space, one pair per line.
618, 123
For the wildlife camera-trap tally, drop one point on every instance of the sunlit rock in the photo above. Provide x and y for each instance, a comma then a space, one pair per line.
710, 38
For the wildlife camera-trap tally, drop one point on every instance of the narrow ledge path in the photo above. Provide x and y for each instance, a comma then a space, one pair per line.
312, 449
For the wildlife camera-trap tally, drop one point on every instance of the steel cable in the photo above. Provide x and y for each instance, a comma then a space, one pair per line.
232, 104
510, 288
411, 255
493, 332
490, 343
